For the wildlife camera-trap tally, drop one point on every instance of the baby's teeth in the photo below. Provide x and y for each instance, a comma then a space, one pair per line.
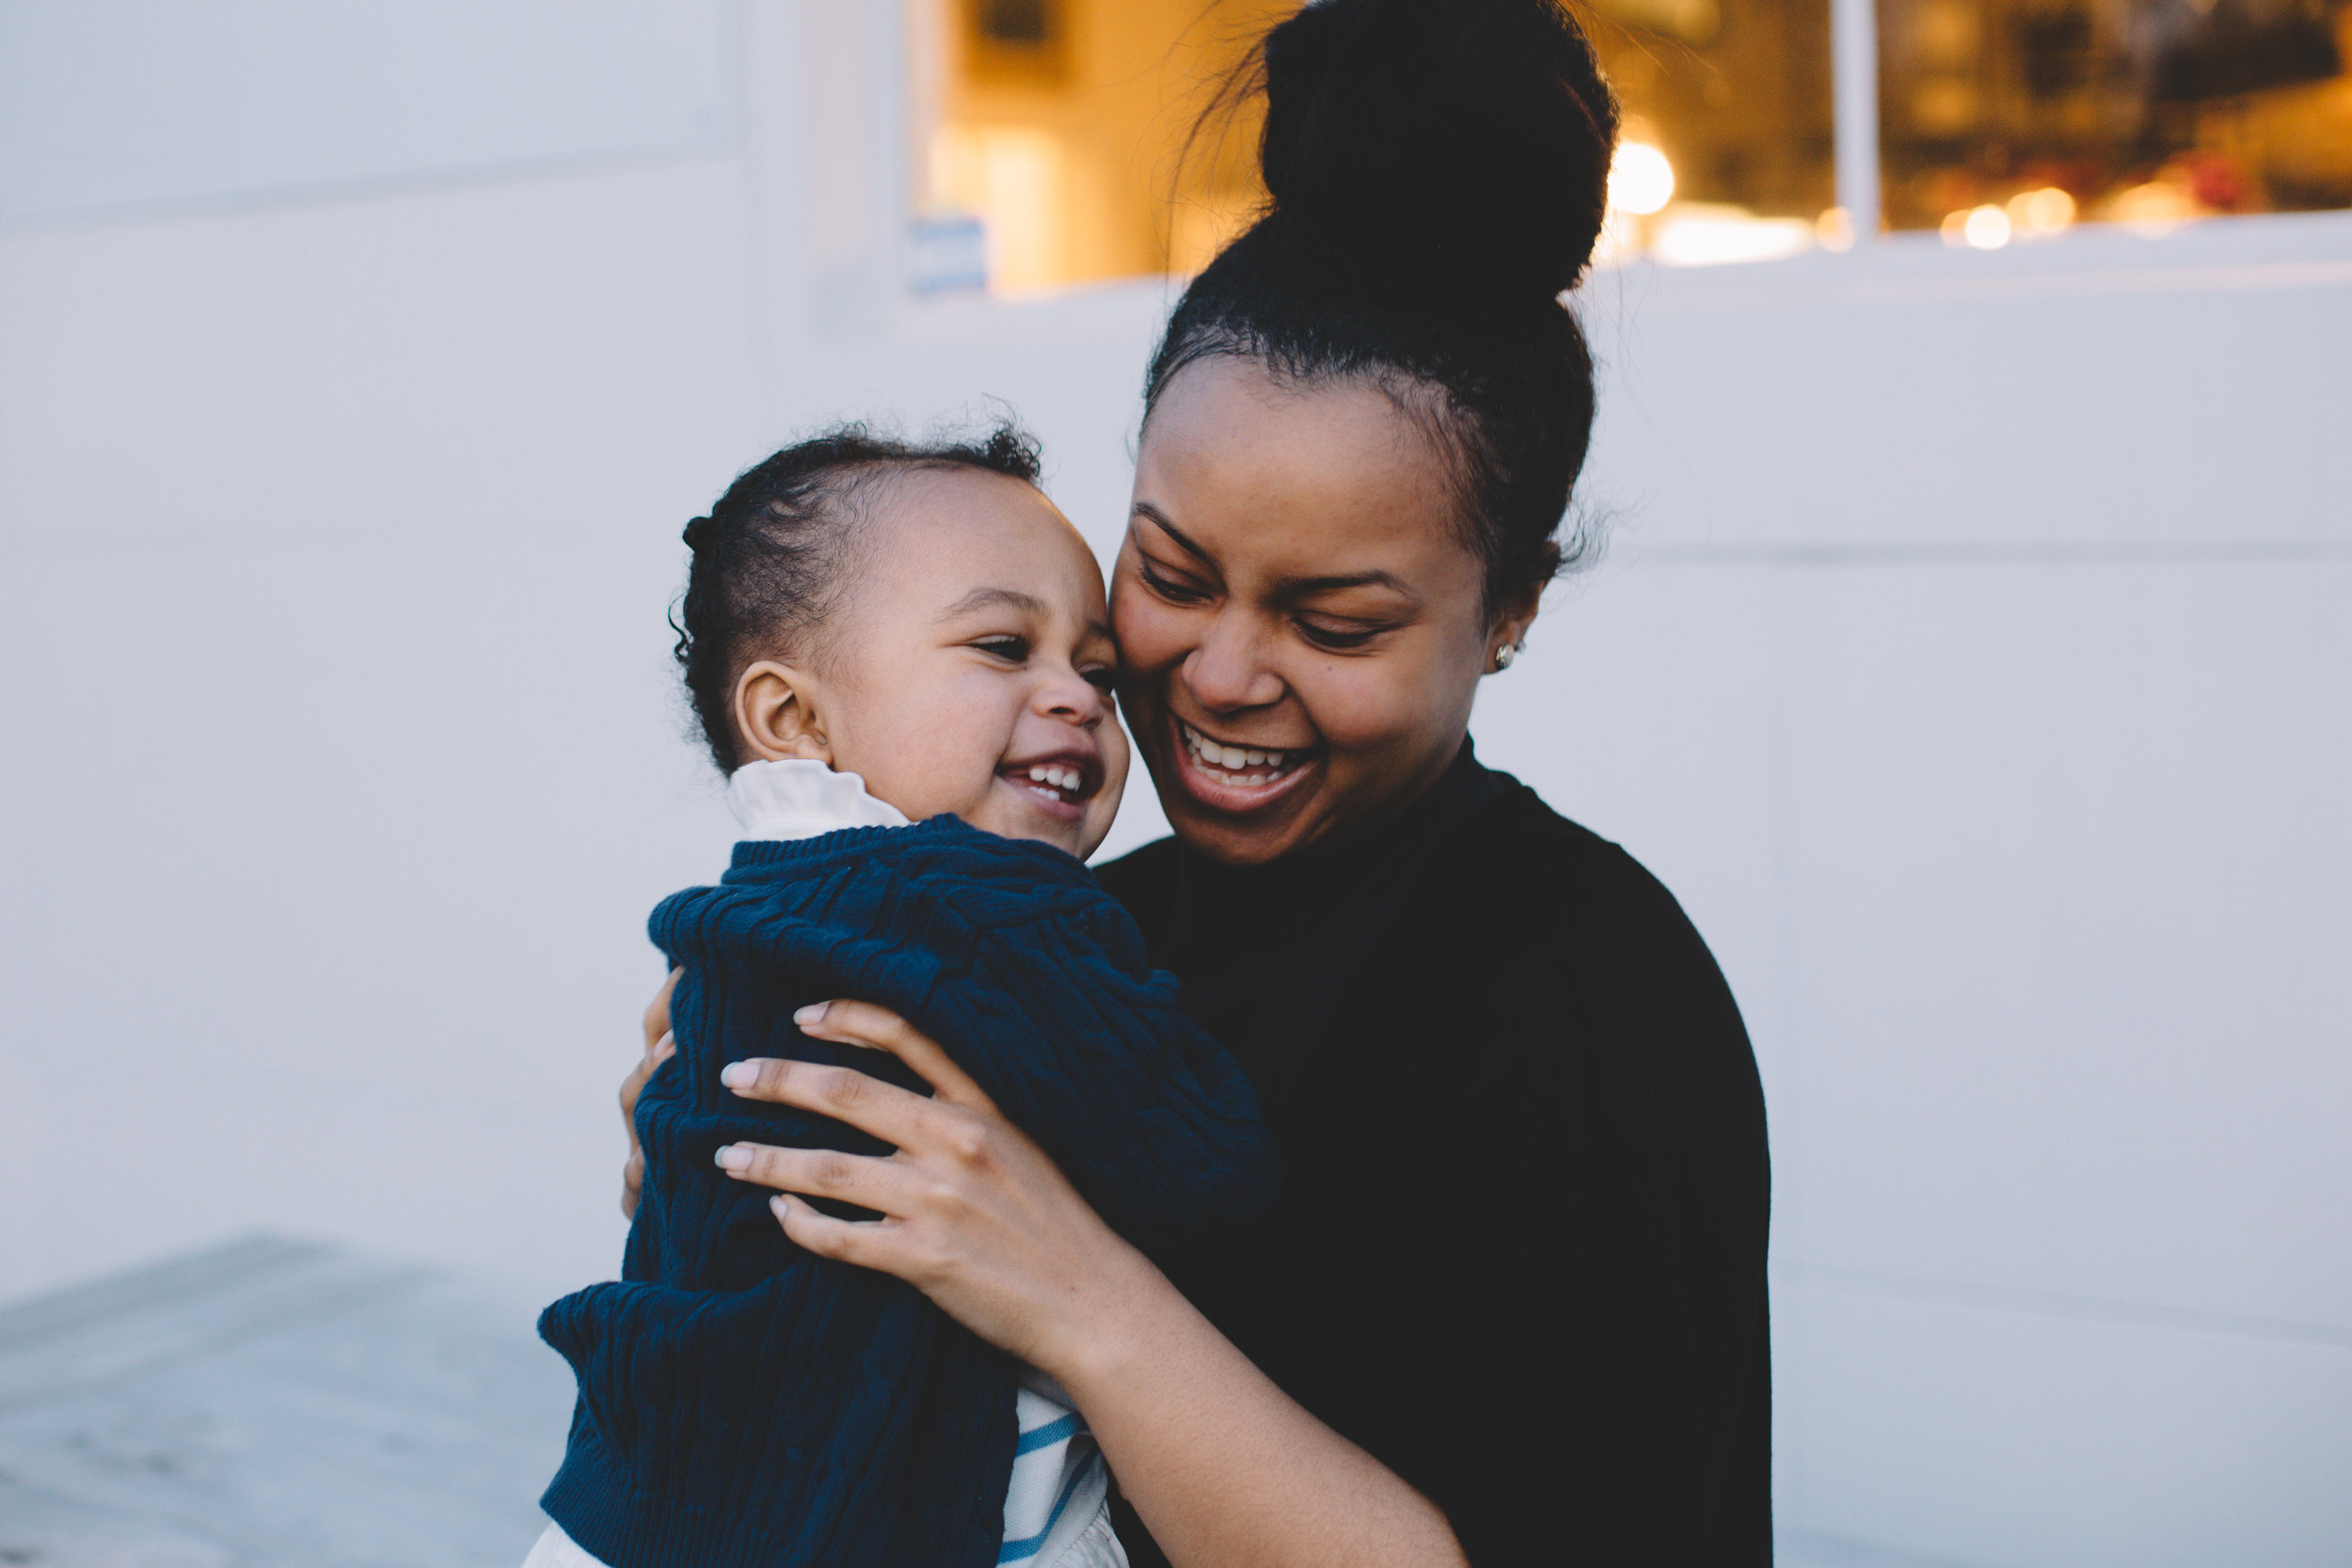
1056, 777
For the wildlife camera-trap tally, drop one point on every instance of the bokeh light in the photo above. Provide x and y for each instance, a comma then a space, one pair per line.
1641, 181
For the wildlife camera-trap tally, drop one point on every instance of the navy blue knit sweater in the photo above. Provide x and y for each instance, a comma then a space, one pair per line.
744, 1403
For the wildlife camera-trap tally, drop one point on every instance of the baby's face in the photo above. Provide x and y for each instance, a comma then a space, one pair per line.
970, 669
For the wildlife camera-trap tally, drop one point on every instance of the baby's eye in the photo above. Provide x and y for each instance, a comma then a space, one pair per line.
1102, 677
1012, 650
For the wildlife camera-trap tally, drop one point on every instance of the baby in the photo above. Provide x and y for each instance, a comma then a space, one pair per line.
901, 657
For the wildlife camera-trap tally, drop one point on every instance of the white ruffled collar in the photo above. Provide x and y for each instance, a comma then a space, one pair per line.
800, 798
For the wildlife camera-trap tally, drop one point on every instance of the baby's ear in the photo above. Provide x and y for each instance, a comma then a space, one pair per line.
776, 713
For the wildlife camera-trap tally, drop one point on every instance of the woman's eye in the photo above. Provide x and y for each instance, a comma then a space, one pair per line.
1335, 639
1012, 650
1174, 590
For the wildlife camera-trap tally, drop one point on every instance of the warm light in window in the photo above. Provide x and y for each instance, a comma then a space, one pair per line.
1012, 178
2238, 106
1987, 228
2153, 208
1978, 228
1835, 230
2042, 211
1641, 181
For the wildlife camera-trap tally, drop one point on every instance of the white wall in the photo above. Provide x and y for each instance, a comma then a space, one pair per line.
1972, 657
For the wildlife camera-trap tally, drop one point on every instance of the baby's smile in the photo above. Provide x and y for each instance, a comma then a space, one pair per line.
1058, 784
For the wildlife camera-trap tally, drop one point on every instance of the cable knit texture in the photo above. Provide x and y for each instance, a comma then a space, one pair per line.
744, 1403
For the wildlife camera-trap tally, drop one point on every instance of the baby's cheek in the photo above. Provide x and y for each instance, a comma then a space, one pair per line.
1104, 809
939, 762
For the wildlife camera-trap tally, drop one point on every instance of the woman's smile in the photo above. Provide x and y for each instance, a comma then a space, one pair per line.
1232, 777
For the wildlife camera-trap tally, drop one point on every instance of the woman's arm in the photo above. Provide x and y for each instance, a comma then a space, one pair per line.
1222, 1466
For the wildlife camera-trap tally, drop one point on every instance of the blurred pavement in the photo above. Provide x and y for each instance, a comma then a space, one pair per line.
271, 1402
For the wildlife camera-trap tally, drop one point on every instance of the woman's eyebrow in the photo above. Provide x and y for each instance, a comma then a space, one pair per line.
1302, 588
994, 598
1293, 588
1145, 509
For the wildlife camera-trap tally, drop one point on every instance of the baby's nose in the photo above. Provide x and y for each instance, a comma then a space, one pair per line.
1077, 701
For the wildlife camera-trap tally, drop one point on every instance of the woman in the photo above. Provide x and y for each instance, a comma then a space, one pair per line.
1511, 1306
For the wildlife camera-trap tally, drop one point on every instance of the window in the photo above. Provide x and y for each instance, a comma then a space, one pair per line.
2010, 119
1054, 139
1725, 153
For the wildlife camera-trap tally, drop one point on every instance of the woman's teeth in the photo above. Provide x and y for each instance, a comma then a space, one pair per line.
1054, 776
1235, 764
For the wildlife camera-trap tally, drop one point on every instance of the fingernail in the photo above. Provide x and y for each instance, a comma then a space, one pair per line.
777, 1206
733, 1157
813, 1013
738, 1075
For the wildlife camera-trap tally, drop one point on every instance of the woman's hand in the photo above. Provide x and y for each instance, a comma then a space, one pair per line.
1225, 1468
975, 1215
659, 1047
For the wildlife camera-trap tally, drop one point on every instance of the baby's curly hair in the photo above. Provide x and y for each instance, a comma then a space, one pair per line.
773, 558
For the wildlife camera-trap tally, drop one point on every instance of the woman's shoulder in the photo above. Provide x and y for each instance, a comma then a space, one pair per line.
1565, 938
1522, 860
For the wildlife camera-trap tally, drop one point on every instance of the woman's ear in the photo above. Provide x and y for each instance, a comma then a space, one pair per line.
1511, 623
776, 713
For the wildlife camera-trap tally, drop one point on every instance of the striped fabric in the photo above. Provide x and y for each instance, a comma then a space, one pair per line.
1058, 1506
1056, 1510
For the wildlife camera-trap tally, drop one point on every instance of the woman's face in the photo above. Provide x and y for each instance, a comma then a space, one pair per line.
1299, 625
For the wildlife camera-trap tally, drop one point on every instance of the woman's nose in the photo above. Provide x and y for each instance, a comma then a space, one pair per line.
1228, 670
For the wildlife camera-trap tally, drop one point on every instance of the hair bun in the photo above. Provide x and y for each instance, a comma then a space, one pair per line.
1466, 139
699, 533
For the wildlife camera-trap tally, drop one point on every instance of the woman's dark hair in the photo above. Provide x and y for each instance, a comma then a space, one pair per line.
772, 559
1438, 173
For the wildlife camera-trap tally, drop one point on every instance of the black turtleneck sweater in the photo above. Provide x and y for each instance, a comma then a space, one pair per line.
1519, 1251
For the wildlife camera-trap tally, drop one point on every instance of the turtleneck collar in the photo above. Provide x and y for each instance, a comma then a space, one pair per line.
800, 798
1264, 951
1464, 785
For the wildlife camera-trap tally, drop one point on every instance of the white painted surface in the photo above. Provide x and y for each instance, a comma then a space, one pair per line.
1971, 659
119, 103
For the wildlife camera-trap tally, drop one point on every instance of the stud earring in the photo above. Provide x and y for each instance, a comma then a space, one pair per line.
1505, 654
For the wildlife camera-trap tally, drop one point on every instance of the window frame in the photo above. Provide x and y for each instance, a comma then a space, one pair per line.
855, 288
